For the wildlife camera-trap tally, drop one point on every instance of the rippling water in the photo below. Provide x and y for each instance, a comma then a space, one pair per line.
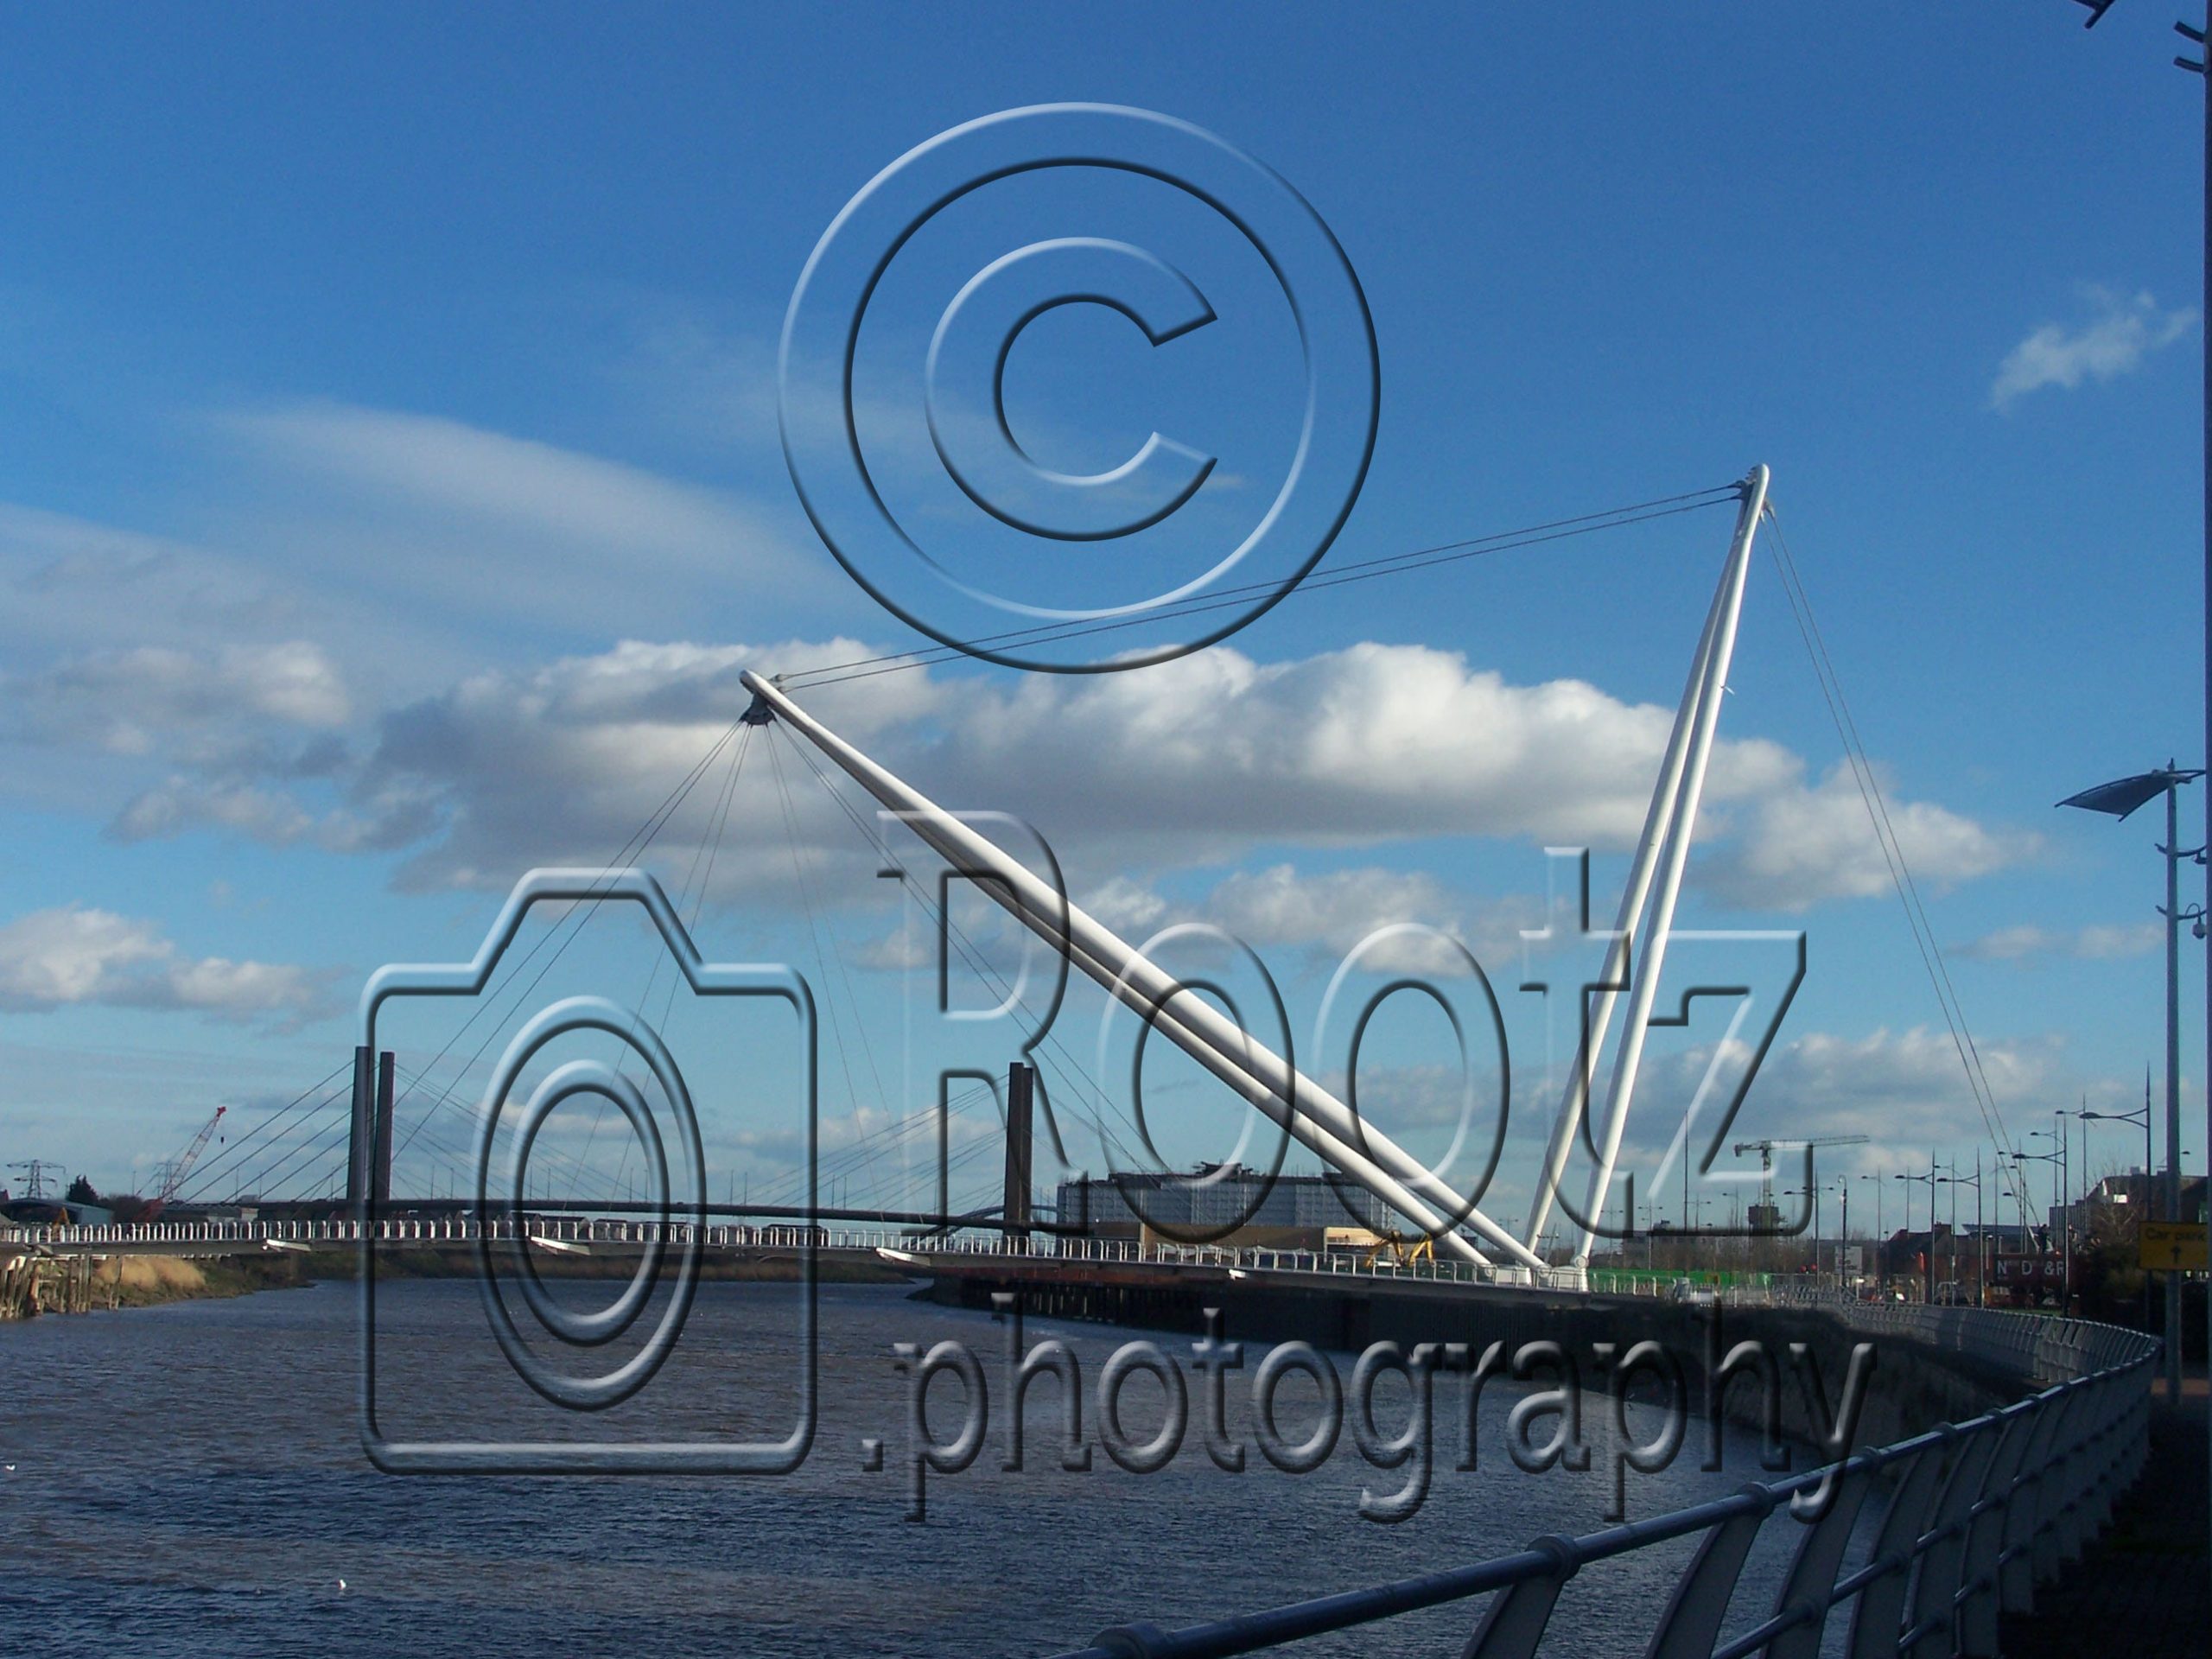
189, 1480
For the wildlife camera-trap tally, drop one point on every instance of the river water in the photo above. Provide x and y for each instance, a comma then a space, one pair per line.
190, 1479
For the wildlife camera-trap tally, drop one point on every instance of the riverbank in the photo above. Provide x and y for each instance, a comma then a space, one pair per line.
33, 1285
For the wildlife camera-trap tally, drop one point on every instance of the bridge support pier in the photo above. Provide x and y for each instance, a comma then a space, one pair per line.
1020, 1097
358, 1147
380, 1171
368, 1156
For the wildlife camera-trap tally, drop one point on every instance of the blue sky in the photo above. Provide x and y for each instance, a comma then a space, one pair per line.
371, 378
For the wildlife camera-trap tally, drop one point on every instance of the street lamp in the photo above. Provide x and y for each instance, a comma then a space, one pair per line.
2198, 67
1954, 1182
2141, 1115
1927, 1260
2121, 797
1843, 1233
1881, 1242
2062, 1210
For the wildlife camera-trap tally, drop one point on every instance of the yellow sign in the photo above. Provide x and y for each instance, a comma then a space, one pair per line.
2172, 1247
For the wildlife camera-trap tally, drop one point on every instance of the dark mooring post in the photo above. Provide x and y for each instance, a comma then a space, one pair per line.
1020, 1090
380, 1181
357, 1148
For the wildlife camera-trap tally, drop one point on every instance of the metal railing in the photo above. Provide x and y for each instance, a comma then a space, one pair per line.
1975, 1515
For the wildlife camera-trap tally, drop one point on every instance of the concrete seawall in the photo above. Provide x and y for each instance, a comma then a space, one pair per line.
1911, 1388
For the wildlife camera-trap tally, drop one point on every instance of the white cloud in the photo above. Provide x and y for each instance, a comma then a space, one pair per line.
1332, 913
1804, 845
72, 955
2027, 941
461, 528
1371, 742
2119, 335
466, 470
1193, 762
1906, 1091
123, 702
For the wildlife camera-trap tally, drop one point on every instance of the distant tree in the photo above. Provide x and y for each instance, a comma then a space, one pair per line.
2107, 1276
127, 1207
81, 1191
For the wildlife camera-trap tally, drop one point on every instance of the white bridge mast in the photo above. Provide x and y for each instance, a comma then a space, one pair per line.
1319, 1121
1662, 851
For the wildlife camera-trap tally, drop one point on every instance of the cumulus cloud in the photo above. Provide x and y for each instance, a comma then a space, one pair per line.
2120, 333
1329, 750
75, 954
125, 702
562, 764
1189, 763
1332, 913
2026, 942
1807, 844
1906, 1091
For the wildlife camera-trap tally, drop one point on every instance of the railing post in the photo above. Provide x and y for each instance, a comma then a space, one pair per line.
2016, 1573
1877, 1622
1514, 1622
1934, 1601
1981, 1596
1691, 1623
1820, 1557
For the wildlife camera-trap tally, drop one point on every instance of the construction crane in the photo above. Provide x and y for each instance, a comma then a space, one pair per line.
181, 1166
1765, 1217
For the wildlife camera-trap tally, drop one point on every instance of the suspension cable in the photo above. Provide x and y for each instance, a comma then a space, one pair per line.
1893, 854
1364, 571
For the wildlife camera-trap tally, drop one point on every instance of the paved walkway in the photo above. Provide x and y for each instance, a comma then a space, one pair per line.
2145, 1589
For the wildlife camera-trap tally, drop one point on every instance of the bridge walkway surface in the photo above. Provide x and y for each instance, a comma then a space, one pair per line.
2145, 1589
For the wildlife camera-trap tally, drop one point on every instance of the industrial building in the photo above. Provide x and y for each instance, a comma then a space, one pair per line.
1227, 1203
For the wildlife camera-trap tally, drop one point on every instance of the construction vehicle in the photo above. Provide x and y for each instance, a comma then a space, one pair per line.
1766, 1216
1401, 1251
180, 1166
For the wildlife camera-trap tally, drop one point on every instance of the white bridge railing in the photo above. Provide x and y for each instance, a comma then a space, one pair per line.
904, 1240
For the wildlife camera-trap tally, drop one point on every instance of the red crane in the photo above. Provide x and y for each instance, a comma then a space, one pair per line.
181, 1166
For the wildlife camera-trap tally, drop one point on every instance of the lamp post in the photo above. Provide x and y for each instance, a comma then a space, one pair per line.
1927, 1259
1813, 1193
1881, 1242
2019, 1158
1955, 1181
2121, 797
1843, 1235
2197, 66
2062, 1212
2141, 1115
1950, 1181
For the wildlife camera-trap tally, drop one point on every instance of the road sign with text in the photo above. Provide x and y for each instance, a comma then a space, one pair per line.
2172, 1247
